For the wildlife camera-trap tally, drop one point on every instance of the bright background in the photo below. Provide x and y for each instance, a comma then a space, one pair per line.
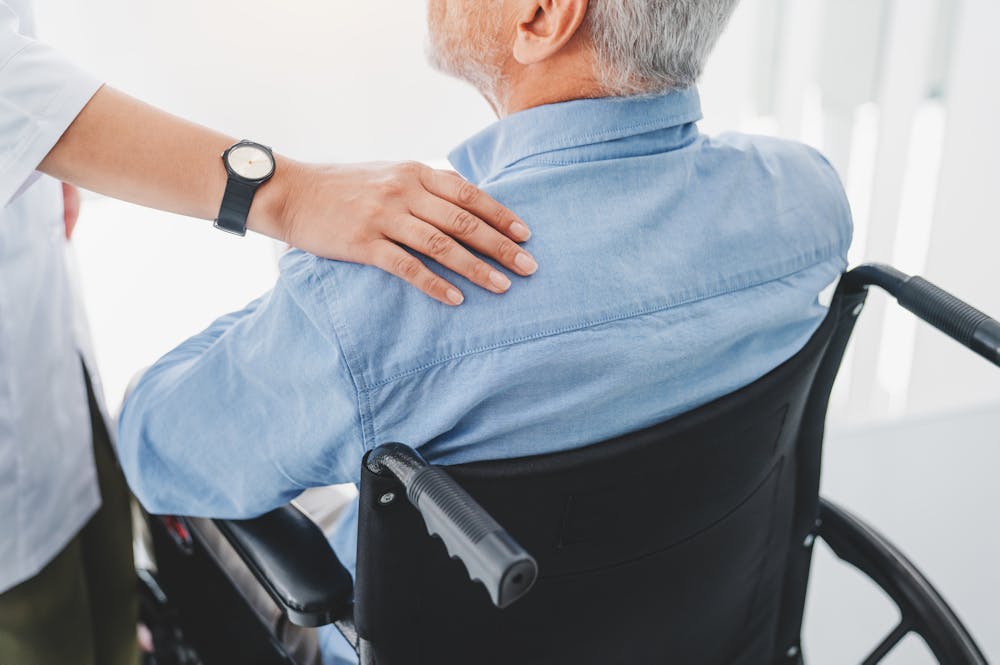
903, 95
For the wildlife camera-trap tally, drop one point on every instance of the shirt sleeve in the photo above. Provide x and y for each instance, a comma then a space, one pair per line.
41, 93
239, 419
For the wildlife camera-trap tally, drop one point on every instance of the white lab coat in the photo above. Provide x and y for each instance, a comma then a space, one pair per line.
48, 483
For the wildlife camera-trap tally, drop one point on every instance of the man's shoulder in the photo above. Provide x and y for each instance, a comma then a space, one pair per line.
796, 173
796, 162
764, 144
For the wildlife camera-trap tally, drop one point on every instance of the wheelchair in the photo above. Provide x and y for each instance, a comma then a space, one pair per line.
688, 542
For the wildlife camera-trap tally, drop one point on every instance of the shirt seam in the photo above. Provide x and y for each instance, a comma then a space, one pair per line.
675, 120
371, 414
22, 147
16, 53
340, 332
734, 287
38, 119
663, 122
538, 160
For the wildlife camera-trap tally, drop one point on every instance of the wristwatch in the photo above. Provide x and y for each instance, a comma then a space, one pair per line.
249, 166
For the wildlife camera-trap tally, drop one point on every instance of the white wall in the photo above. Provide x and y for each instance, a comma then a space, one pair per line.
903, 95
896, 92
317, 79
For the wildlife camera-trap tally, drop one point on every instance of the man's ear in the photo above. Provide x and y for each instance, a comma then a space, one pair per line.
544, 27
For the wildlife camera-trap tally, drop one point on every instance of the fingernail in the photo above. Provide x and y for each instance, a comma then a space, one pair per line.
520, 230
455, 297
500, 280
525, 263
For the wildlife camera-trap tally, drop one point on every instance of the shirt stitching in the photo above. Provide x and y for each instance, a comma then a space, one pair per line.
674, 120
37, 124
371, 414
664, 122
734, 287
689, 112
14, 55
537, 160
347, 347
38, 121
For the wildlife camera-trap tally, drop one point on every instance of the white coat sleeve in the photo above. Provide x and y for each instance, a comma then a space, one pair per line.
41, 93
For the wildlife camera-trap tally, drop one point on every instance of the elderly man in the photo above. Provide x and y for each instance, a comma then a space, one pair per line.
676, 268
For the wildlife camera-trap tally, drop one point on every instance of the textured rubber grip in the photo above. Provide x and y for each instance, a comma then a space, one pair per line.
955, 318
471, 535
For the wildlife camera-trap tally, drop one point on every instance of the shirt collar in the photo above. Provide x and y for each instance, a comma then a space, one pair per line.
566, 125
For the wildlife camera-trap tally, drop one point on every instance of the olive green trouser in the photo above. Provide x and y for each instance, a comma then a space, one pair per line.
81, 609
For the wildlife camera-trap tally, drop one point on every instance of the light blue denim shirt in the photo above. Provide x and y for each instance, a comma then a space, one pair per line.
674, 268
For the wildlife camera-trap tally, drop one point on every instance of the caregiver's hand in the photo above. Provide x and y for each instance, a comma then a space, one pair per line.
368, 213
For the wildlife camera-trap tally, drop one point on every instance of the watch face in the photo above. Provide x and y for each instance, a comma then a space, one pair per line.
250, 162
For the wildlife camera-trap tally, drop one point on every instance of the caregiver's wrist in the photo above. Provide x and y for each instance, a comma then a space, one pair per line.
271, 212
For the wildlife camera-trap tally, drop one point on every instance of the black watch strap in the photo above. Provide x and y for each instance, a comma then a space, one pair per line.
235, 208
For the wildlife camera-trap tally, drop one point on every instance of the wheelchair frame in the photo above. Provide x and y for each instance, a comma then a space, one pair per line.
320, 592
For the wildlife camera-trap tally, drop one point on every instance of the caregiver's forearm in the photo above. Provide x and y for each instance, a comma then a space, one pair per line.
129, 150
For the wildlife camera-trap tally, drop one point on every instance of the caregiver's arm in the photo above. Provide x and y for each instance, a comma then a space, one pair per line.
129, 150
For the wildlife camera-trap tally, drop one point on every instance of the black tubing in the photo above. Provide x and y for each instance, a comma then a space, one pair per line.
955, 318
875, 274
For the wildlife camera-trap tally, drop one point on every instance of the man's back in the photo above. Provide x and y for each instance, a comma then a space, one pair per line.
674, 269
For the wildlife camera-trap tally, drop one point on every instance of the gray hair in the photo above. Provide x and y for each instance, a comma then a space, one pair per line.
650, 46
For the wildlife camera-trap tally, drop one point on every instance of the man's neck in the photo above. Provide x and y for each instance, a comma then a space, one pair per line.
522, 99
560, 79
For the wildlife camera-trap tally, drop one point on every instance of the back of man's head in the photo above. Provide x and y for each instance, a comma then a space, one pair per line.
649, 46
521, 53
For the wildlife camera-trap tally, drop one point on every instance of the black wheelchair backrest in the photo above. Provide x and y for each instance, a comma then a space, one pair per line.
683, 539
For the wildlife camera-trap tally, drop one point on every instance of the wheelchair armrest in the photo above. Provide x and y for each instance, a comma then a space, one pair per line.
291, 558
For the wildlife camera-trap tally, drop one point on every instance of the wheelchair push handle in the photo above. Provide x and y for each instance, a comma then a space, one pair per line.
470, 534
952, 316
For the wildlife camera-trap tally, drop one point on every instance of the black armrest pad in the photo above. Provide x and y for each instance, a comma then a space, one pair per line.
292, 559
